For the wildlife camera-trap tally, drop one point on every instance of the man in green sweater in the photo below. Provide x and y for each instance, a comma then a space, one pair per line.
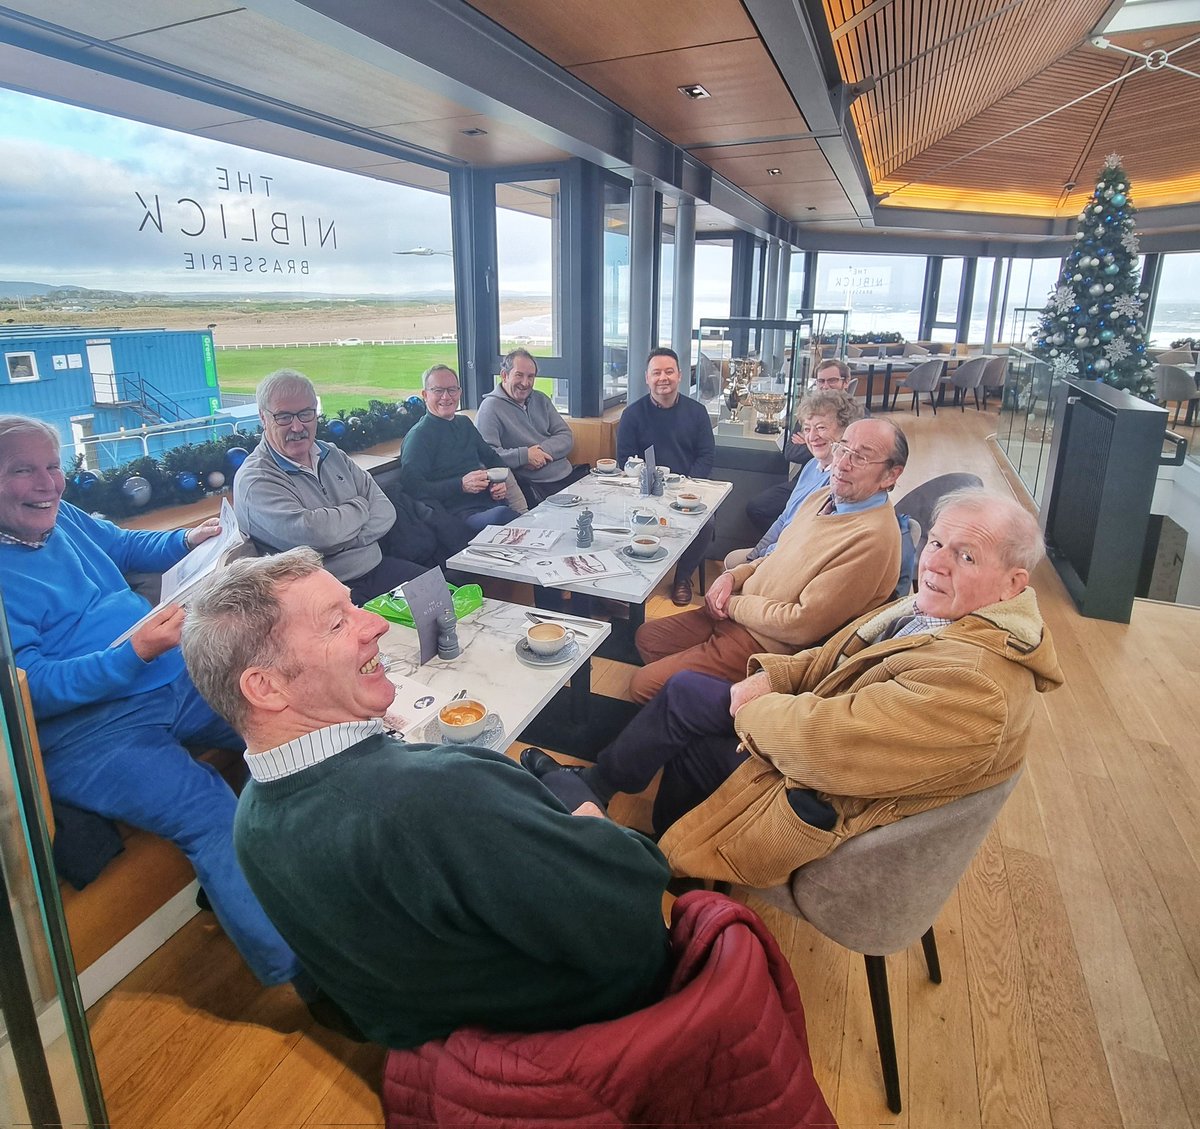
424, 888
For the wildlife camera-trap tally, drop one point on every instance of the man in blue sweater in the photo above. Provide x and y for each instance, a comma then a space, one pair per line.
113, 721
681, 433
425, 887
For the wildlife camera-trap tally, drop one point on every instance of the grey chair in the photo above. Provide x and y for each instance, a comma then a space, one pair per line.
882, 890
1176, 357
924, 378
919, 502
966, 378
1174, 386
995, 372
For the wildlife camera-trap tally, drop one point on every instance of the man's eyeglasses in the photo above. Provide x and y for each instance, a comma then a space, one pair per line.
855, 458
444, 391
304, 415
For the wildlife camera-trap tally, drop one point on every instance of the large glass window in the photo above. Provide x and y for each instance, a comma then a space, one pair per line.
1177, 308
882, 292
527, 264
714, 278
616, 291
1025, 292
977, 329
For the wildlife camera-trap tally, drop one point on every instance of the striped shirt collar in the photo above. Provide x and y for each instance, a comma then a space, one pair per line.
7, 538
309, 750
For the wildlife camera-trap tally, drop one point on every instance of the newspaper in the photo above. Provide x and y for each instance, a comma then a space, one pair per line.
183, 580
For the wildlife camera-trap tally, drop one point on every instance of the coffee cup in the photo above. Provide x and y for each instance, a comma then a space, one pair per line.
463, 720
643, 517
606, 466
686, 500
643, 546
497, 473
546, 639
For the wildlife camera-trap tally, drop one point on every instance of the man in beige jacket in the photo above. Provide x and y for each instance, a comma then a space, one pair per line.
903, 710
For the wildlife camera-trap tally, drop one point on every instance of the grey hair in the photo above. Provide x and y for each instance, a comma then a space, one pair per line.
12, 426
234, 624
845, 409
841, 366
1018, 539
507, 364
284, 379
436, 368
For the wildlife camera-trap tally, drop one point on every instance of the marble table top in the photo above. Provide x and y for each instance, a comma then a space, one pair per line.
612, 501
488, 668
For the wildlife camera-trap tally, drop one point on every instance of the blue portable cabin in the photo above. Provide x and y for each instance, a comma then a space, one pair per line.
88, 381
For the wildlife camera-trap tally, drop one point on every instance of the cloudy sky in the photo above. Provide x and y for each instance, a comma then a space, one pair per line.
69, 186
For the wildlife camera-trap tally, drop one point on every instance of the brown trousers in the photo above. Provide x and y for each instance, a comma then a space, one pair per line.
692, 640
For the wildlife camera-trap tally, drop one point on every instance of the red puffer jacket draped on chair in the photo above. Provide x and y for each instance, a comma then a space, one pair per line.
726, 1046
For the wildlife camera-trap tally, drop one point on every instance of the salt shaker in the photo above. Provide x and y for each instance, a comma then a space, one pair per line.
447, 635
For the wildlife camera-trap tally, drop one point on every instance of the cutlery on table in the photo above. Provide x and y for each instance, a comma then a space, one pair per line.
566, 621
611, 529
580, 633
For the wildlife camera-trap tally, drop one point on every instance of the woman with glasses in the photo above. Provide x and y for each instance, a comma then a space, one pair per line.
445, 459
824, 418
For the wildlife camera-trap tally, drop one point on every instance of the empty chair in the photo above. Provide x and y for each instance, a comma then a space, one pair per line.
911, 349
1176, 357
1175, 386
919, 502
880, 891
966, 378
924, 378
995, 372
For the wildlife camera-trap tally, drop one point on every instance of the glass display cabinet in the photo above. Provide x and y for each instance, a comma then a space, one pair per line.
750, 374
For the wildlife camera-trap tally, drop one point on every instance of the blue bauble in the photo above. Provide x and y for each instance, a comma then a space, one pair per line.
1106, 335
187, 481
415, 402
1112, 269
1118, 198
136, 489
85, 480
337, 428
235, 456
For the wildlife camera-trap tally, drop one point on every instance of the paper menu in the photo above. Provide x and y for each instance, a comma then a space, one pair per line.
412, 707
517, 537
578, 567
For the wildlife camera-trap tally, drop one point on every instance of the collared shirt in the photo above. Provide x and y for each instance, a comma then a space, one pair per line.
876, 499
923, 625
317, 453
7, 538
311, 749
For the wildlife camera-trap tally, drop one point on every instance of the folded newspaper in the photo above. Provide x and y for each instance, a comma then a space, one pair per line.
185, 578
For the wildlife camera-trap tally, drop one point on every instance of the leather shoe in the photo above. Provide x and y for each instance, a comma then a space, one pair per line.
681, 594
537, 762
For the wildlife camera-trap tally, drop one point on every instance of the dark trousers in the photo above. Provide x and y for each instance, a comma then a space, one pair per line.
686, 731
764, 509
386, 575
537, 492
694, 555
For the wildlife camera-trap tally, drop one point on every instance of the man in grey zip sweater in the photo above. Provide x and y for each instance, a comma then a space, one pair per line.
526, 431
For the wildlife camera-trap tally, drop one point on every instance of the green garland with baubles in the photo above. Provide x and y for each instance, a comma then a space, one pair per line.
194, 471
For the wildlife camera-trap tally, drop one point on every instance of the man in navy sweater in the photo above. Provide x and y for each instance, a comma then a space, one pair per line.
681, 433
424, 887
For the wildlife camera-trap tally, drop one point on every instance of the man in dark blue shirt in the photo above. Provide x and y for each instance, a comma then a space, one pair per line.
681, 433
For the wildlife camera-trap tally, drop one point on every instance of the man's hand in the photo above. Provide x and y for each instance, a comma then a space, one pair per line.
198, 534
474, 482
498, 491
717, 597
589, 809
538, 458
747, 690
159, 635
798, 439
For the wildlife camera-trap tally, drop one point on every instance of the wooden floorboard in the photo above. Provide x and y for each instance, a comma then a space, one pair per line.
1070, 952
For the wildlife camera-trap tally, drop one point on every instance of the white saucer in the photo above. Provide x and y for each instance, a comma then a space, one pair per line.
701, 508
527, 655
605, 473
564, 501
629, 554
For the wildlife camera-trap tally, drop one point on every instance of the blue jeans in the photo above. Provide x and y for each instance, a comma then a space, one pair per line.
494, 515
125, 760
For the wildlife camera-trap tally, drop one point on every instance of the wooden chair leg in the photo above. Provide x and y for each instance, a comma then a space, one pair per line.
881, 1008
929, 944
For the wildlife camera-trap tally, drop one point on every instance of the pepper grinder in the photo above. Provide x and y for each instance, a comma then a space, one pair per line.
447, 635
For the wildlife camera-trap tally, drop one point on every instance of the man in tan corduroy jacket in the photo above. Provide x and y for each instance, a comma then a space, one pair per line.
903, 710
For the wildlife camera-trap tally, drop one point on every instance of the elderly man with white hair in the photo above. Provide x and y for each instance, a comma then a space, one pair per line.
295, 489
113, 719
905, 709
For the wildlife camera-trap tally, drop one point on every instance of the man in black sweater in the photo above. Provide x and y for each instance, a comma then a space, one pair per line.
681, 433
424, 888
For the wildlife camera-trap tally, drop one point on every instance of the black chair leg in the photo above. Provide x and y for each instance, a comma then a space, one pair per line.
975, 393
932, 403
929, 944
881, 1008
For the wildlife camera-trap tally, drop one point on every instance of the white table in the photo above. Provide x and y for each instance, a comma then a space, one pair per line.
489, 670
611, 500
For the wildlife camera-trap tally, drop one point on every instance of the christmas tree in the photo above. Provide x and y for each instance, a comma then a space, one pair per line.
1091, 326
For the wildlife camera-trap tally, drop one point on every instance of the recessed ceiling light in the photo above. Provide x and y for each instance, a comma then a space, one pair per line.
774, 172
473, 132
694, 91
